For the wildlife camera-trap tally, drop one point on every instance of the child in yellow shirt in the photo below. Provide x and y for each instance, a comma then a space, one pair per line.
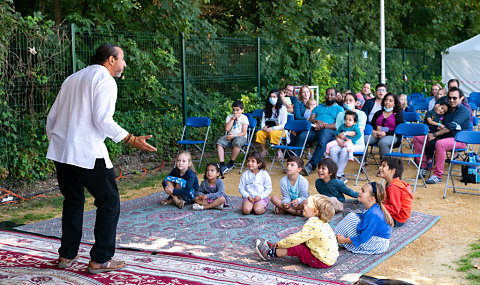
315, 244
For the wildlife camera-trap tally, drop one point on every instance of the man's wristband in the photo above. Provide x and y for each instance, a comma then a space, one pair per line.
434, 135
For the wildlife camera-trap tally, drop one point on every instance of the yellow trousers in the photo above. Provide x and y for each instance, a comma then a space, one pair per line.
274, 136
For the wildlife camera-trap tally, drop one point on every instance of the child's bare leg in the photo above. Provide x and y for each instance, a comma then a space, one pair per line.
200, 201
277, 201
259, 209
297, 211
281, 252
247, 207
215, 203
221, 153
235, 152
178, 202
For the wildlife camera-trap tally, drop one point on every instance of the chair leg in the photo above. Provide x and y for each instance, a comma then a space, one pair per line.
446, 185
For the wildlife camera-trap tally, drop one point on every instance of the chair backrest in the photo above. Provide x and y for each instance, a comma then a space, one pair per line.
475, 98
472, 105
298, 125
406, 129
417, 95
420, 104
290, 117
198, 122
468, 137
248, 115
475, 121
257, 113
252, 123
368, 130
411, 117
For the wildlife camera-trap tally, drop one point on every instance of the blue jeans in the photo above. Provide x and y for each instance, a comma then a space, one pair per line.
322, 137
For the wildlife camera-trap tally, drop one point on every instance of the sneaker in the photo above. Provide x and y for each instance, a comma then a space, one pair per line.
197, 207
350, 156
309, 155
65, 263
308, 169
227, 169
343, 179
262, 249
223, 168
220, 207
433, 180
423, 172
110, 265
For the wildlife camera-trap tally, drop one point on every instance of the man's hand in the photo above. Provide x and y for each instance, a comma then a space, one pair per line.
140, 143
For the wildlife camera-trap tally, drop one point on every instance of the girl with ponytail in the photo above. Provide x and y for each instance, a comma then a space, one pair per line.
369, 232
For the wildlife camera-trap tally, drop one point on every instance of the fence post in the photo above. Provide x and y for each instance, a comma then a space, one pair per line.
425, 71
74, 58
258, 69
348, 66
184, 79
403, 75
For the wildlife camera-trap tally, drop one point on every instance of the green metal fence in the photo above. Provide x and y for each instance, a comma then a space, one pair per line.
172, 74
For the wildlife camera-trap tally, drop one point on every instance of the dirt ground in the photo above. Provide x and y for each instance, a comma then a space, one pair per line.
430, 259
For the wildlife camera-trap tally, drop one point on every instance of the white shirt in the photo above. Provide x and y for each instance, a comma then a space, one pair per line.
252, 185
375, 109
237, 125
82, 117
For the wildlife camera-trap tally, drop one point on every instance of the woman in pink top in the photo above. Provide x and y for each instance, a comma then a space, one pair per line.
384, 123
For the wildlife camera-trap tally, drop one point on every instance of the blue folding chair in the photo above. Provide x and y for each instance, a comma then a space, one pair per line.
474, 98
411, 130
470, 138
411, 117
420, 104
296, 126
361, 169
252, 124
196, 122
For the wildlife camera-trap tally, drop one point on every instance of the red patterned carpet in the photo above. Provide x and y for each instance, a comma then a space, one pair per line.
29, 259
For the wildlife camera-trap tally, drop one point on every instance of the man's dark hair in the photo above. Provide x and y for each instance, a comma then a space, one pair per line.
394, 163
453, 80
103, 52
297, 159
352, 113
380, 85
288, 84
332, 88
238, 104
331, 166
446, 104
460, 92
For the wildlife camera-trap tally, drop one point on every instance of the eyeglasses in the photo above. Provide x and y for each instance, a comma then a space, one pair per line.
381, 89
453, 98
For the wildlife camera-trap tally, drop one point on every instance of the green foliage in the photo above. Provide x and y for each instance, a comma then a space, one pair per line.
470, 264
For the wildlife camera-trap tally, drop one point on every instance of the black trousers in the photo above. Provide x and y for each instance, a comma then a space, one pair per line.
100, 182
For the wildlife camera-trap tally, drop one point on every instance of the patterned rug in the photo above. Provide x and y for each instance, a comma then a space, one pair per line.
29, 259
229, 236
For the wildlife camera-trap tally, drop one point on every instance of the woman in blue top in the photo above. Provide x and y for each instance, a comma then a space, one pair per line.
301, 105
369, 232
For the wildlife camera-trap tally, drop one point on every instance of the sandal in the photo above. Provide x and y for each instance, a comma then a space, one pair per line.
180, 204
167, 201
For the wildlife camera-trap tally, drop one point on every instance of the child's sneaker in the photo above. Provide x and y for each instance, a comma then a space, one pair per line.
197, 207
350, 156
220, 207
262, 249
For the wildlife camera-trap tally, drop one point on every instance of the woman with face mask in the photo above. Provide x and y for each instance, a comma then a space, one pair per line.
338, 154
384, 122
273, 120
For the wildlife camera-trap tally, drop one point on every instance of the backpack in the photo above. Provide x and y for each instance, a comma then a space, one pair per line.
471, 174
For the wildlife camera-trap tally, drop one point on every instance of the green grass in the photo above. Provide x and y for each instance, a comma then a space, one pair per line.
470, 264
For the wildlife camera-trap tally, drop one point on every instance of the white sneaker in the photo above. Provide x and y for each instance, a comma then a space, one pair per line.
350, 156
197, 207
220, 207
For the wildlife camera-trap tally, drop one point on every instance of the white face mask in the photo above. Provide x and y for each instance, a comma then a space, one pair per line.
349, 107
273, 100
388, 109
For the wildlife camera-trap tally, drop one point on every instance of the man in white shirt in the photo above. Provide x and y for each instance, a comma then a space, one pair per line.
77, 125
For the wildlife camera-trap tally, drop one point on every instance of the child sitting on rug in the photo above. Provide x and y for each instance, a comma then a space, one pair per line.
255, 185
211, 194
328, 185
369, 232
399, 197
182, 182
315, 244
294, 189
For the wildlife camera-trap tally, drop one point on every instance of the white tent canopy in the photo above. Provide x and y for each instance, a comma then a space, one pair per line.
462, 61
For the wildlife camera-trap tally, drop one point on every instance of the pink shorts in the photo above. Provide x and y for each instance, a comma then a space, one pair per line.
264, 202
305, 255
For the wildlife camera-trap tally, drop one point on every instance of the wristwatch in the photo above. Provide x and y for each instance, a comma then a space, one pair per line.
434, 135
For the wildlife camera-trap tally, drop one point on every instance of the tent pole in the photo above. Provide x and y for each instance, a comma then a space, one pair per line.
382, 42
